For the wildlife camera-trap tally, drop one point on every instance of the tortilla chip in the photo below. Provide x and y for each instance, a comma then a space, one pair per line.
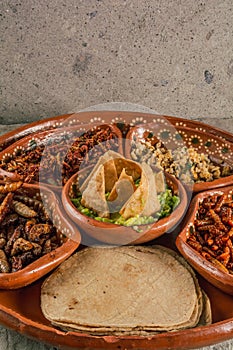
109, 155
93, 196
110, 175
144, 201
121, 192
135, 204
160, 182
131, 168
152, 204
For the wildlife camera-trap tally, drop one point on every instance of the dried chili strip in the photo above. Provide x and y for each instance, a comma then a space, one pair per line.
212, 233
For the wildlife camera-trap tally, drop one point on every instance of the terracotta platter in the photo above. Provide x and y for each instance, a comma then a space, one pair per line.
20, 308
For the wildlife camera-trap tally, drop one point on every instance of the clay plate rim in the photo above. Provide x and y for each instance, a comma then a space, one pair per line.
133, 118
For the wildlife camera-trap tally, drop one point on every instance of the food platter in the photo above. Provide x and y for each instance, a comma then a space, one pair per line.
20, 309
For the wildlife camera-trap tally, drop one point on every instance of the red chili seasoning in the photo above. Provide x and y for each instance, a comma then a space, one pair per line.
53, 159
212, 234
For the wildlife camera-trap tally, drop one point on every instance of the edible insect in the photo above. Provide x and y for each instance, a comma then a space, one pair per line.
19, 261
5, 206
10, 187
219, 203
4, 265
37, 249
16, 234
23, 210
21, 246
47, 246
31, 202
217, 220
36, 204
2, 242
10, 219
39, 231
29, 224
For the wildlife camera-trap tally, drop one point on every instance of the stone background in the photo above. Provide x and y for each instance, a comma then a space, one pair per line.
58, 56
175, 57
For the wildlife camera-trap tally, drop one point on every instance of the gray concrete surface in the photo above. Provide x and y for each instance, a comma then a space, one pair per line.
174, 56
61, 56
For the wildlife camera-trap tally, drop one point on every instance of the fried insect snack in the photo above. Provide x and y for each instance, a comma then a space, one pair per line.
212, 233
26, 232
54, 157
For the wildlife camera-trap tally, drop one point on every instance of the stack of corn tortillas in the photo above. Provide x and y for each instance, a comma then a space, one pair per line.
131, 290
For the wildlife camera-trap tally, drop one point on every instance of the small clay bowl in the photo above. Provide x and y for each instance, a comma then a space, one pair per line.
219, 149
70, 239
52, 136
120, 235
208, 270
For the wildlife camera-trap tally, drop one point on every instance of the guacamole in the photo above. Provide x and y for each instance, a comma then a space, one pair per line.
167, 200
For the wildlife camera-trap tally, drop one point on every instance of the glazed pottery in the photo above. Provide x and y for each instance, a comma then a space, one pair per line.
219, 278
123, 120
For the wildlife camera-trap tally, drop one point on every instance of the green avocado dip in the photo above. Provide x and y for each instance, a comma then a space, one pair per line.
167, 200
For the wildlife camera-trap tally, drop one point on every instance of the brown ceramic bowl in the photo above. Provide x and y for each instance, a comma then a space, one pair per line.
174, 136
47, 262
216, 276
54, 179
116, 234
